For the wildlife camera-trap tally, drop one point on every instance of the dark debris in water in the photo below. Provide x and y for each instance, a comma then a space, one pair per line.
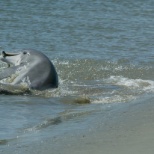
49, 122
76, 100
3, 142
82, 100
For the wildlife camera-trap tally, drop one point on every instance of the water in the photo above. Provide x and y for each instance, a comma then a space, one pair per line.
102, 50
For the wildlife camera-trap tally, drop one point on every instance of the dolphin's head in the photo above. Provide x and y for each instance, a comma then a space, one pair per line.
23, 57
14, 58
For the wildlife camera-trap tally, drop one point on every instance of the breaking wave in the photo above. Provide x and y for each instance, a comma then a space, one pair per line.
138, 84
129, 89
98, 81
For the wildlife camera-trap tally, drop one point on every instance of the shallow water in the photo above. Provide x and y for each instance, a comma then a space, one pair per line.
102, 51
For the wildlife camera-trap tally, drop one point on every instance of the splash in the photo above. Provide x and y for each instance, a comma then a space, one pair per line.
14, 89
99, 81
140, 84
114, 99
129, 90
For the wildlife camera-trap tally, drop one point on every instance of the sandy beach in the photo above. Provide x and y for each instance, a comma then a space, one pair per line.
125, 129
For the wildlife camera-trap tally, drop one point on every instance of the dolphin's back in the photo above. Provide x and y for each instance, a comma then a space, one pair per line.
43, 74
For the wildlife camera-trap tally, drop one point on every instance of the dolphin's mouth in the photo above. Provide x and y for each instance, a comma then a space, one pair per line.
4, 54
10, 58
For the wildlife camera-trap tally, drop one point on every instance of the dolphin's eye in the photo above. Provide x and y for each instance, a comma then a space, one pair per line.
24, 52
3, 54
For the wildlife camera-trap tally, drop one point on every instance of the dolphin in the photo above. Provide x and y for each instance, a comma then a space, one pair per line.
31, 67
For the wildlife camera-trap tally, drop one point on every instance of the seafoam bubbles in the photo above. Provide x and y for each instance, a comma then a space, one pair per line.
138, 84
64, 89
114, 89
129, 90
113, 99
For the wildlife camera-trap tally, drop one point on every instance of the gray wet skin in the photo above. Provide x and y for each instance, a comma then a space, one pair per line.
32, 67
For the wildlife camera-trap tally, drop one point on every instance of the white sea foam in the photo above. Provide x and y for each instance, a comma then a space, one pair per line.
129, 90
114, 99
144, 85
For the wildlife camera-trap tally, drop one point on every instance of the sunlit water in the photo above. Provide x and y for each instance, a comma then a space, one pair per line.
102, 51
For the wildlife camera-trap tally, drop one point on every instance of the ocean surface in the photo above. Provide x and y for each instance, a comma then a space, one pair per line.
103, 52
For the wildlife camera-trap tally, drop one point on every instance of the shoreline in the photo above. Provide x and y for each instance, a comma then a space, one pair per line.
129, 131
128, 128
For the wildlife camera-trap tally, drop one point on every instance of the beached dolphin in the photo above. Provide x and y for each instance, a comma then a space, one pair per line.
31, 67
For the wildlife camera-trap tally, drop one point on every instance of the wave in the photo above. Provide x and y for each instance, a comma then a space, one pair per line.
138, 84
60, 118
90, 69
99, 81
115, 89
129, 89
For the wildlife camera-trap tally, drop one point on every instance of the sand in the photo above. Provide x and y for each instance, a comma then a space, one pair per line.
126, 129
129, 129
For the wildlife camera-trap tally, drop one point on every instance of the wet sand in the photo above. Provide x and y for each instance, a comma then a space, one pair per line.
126, 129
